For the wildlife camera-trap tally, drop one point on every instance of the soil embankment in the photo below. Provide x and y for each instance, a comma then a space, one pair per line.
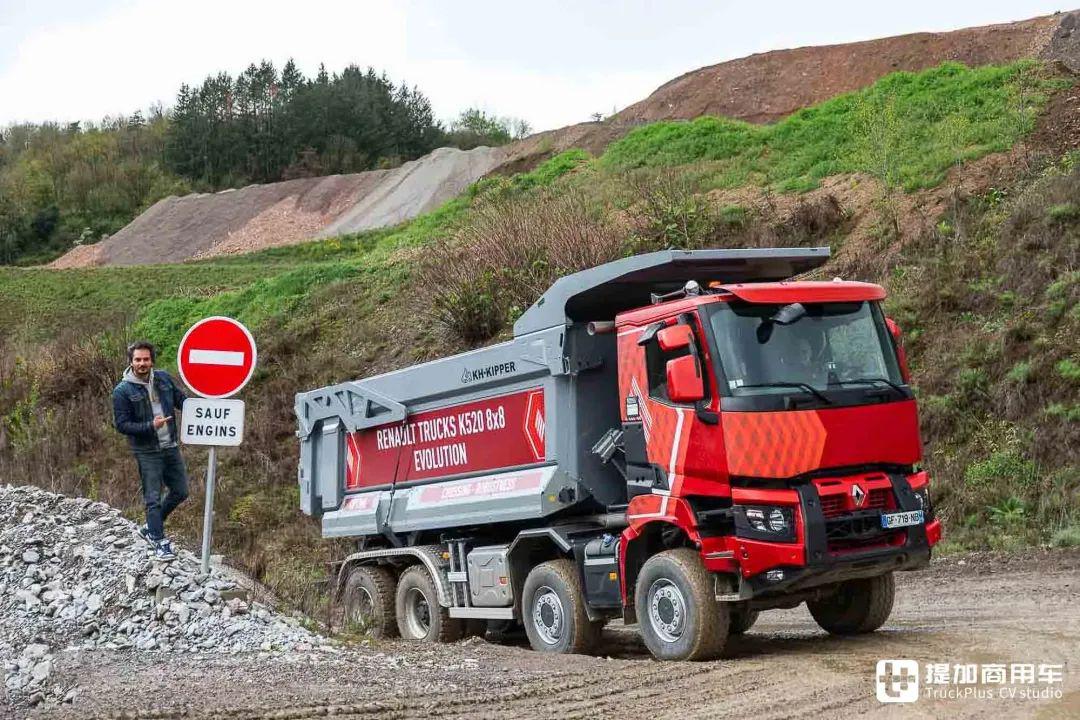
260, 216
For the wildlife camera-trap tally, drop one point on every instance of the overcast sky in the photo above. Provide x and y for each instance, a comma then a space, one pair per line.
551, 63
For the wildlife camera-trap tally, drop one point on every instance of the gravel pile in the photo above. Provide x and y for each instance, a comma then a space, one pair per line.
74, 574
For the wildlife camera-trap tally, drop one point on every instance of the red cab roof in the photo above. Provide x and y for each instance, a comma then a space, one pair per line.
807, 291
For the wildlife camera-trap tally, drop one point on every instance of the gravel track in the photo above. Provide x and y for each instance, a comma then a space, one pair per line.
990, 608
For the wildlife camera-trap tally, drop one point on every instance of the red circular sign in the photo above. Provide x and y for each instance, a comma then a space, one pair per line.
216, 357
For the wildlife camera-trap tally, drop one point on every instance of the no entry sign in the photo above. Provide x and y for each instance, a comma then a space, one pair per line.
216, 357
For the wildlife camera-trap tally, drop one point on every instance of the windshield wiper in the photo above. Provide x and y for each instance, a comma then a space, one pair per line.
802, 386
888, 382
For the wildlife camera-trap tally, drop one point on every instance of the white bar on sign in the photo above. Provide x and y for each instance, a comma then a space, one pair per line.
215, 357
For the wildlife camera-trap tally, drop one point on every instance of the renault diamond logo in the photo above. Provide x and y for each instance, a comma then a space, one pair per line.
858, 495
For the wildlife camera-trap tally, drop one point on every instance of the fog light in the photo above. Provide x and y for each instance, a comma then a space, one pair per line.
774, 575
777, 520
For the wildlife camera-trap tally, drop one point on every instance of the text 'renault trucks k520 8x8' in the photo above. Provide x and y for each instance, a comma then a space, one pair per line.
679, 439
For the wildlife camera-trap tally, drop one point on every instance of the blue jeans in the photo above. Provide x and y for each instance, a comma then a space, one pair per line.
157, 468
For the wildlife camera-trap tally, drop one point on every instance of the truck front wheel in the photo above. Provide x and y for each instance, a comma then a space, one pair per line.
742, 620
419, 615
857, 606
553, 610
677, 610
368, 599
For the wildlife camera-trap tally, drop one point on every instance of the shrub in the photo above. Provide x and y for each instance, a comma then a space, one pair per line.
1066, 537
508, 254
1069, 369
1007, 467
1064, 212
1020, 372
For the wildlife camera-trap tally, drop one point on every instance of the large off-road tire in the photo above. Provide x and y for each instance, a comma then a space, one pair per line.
420, 617
368, 601
553, 610
857, 606
741, 621
677, 610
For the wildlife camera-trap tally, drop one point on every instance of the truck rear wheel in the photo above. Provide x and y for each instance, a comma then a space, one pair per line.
368, 599
420, 617
553, 610
677, 610
857, 606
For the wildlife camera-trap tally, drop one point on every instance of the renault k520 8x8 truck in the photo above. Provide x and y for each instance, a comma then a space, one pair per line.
679, 439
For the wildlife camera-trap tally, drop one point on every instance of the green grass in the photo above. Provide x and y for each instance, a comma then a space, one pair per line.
908, 127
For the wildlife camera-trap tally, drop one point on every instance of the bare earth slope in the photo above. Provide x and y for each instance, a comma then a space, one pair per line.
258, 216
766, 87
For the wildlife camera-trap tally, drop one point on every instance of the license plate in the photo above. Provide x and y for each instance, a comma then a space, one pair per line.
901, 519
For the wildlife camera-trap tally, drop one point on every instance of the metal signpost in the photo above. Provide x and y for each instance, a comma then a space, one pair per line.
216, 359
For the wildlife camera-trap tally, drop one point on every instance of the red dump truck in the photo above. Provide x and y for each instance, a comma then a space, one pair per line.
679, 440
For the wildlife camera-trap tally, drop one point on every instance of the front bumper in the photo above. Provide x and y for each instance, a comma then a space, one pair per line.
776, 570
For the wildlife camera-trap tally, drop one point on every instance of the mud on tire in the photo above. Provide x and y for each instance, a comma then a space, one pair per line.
368, 600
420, 617
857, 606
553, 610
677, 610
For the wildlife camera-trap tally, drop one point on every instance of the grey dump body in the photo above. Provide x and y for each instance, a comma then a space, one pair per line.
551, 352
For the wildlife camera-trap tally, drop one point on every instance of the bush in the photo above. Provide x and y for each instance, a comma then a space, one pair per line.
1004, 467
1064, 212
1069, 369
508, 254
1066, 537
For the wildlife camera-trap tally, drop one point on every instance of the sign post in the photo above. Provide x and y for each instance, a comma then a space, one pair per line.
216, 358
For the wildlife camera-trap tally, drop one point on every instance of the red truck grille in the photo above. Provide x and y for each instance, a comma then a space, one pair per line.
836, 504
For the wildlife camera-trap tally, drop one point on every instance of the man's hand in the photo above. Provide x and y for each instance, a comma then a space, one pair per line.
160, 420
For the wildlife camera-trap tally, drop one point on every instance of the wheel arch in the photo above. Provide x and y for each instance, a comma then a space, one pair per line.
645, 541
430, 556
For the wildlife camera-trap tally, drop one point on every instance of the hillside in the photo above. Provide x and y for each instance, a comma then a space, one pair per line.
258, 216
768, 86
957, 188
758, 89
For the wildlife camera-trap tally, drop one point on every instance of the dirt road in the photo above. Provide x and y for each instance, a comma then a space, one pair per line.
978, 609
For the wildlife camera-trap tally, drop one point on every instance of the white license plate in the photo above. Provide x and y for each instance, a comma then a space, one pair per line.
901, 519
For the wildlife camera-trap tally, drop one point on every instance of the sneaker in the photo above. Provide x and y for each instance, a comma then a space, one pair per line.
167, 544
163, 551
144, 531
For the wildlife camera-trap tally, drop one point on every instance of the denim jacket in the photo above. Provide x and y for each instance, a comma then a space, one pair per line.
133, 415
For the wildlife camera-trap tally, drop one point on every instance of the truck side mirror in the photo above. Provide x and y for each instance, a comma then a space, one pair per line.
675, 337
901, 356
684, 381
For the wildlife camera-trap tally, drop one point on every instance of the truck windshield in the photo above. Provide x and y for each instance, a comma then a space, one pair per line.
826, 346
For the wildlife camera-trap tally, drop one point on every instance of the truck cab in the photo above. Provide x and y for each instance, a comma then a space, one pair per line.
773, 426
680, 439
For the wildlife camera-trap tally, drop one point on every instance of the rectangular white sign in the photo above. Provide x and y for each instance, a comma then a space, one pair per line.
212, 422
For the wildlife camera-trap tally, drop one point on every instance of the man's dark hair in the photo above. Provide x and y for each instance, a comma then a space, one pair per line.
142, 345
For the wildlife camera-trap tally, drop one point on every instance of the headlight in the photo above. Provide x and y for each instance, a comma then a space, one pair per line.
922, 496
777, 521
769, 519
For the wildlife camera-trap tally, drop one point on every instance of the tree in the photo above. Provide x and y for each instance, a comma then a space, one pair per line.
474, 127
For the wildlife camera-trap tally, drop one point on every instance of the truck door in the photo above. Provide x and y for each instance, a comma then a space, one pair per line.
673, 443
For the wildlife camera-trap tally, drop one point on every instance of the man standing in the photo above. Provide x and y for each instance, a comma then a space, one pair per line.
144, 408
